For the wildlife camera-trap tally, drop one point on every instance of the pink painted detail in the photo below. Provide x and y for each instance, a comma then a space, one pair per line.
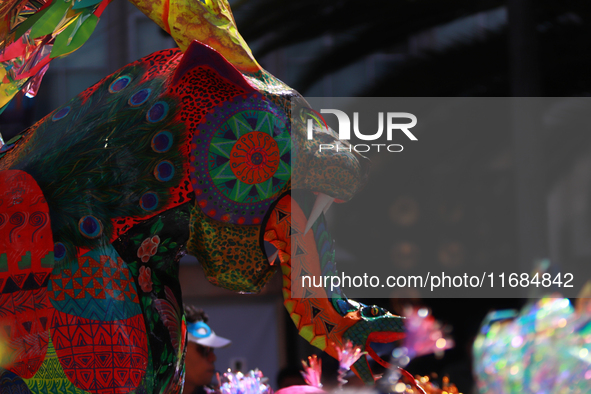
148, 248
145, 279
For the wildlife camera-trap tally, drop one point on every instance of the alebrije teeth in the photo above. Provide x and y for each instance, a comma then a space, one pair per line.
321, 205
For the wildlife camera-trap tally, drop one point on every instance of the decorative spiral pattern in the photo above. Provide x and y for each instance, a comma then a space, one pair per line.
17, 220
241, 159
2, 219
37, 219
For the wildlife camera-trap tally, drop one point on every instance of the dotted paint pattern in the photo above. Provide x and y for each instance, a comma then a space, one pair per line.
200, 90
216, 243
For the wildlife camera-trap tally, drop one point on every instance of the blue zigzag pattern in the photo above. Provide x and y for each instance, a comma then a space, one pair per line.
108, 309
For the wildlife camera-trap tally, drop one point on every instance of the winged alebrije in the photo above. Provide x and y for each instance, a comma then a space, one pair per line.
188, 149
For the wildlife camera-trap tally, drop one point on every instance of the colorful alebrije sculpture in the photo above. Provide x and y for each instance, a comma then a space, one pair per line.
186, 149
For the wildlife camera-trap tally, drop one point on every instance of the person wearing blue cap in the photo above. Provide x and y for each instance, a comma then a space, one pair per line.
200, 357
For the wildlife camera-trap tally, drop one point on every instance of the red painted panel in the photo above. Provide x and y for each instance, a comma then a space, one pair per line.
26, 260
100, 356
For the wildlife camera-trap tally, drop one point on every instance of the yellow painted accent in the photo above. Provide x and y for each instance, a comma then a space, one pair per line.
319, 342
279, 244
286, 269
290, 306
211, 23
307, 332
296, 318
270, 235
286, 294
286, 282
284, 257
10, 89
52, 367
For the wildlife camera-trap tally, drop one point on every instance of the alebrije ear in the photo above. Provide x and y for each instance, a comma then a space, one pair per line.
199, 55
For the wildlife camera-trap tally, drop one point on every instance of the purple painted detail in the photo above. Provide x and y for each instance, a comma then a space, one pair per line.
61, 113
11, 383
119, 84
90, 227
149, 201
157, 112
139, 97
256, 158
164, 171
162, 141
59, 251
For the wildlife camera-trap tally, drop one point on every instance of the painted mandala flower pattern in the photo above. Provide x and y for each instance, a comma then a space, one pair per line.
248, 157
148, 248
145, 279
241, 160
254, 158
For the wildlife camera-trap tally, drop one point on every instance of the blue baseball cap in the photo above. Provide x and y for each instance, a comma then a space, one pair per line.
202, 334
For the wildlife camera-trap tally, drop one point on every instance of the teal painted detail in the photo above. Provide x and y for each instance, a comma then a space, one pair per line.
3, 262
47, 261
25, 261
98, 285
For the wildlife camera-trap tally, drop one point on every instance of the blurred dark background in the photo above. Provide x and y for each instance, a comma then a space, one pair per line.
409, 48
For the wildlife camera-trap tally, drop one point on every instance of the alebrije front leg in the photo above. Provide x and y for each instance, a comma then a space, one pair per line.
153, 250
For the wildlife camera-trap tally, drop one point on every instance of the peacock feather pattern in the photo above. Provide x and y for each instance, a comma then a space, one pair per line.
116, 182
